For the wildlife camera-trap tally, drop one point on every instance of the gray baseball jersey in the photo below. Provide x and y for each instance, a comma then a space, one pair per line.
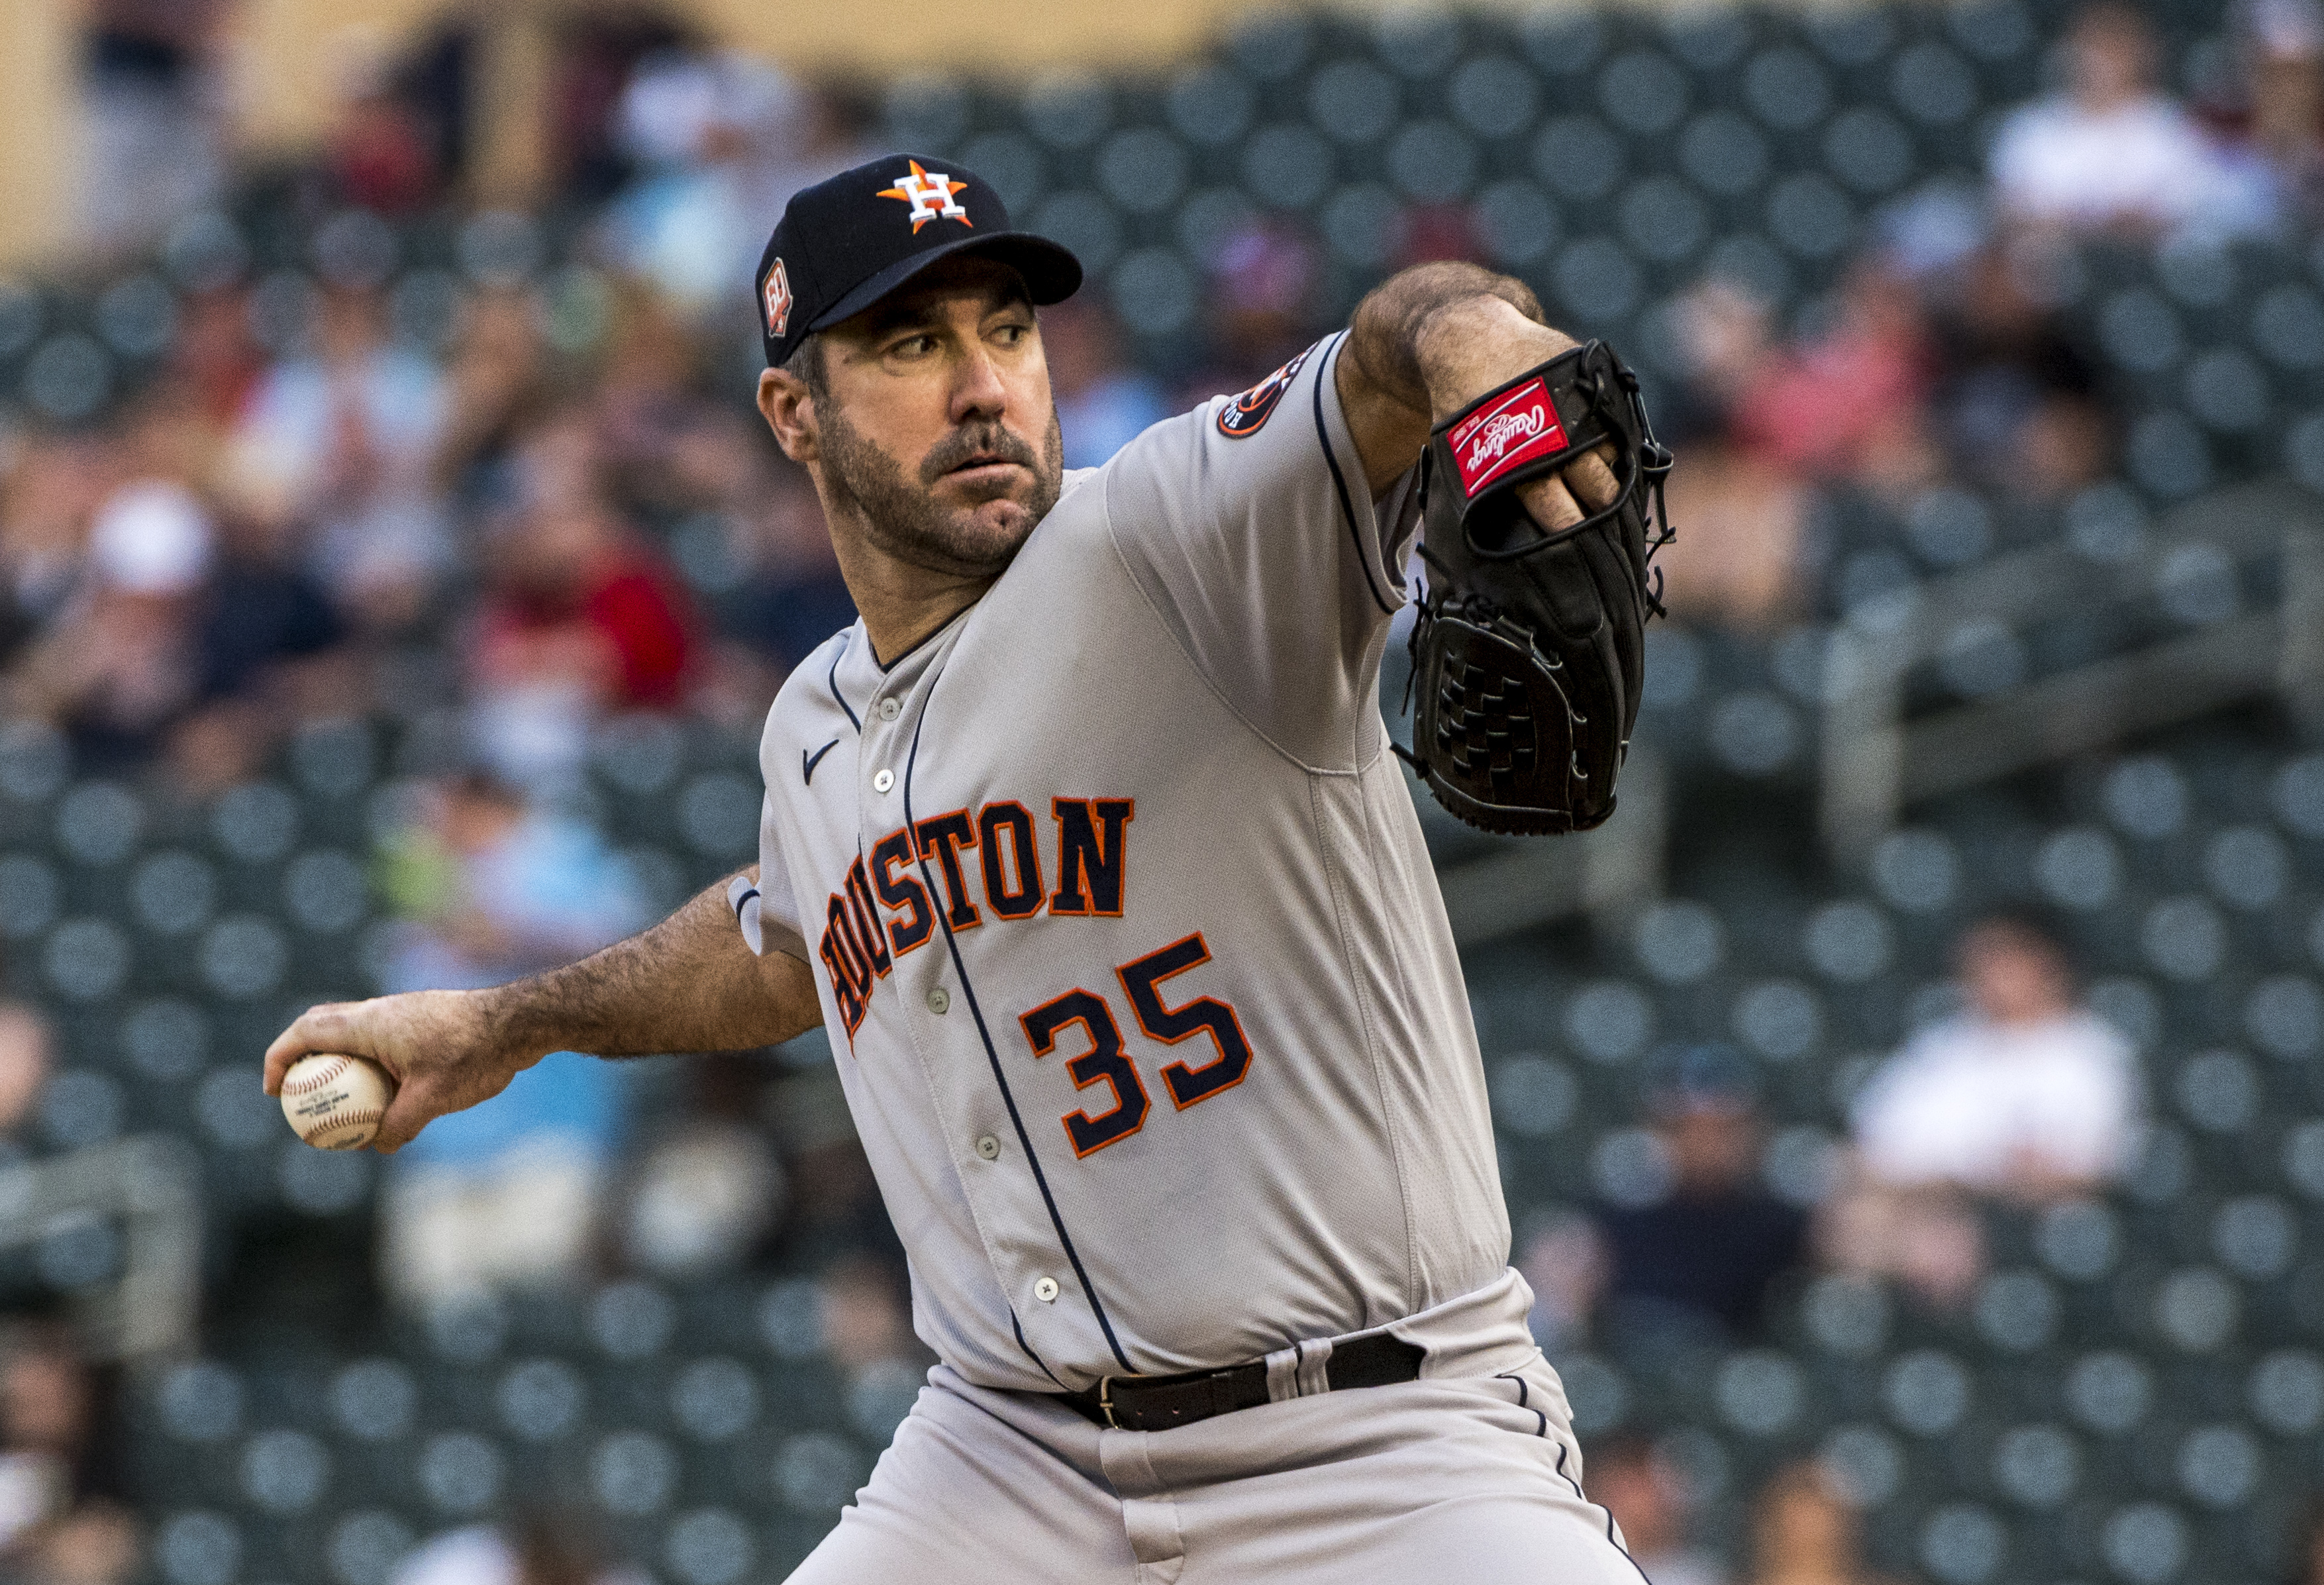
1137, 975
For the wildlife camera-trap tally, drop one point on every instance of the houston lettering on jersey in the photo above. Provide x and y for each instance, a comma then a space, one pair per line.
991, 860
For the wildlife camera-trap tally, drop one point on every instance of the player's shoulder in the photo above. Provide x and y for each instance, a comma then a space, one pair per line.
1228, 425
809, 700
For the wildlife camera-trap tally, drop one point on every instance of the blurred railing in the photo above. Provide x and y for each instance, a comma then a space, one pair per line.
1874, 759
149, 1185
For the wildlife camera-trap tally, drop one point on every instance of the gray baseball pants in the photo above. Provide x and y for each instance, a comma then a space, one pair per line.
1462, 1478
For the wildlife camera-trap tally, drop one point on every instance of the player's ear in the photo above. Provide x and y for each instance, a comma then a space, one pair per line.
787, 405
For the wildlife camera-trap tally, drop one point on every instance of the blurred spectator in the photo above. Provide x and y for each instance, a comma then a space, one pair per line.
648, 403
700, 127
213, 362
504, 1194
1262, 305
788, 597
1102, 401
1694, 1264
1744, 573
269, 654
577, 617
344, 442
115, 666
2024, 1096
1803, 1533
151, 146
2018, 401
722, 141
598, 52
1646, 1493
381, 156
498, 385
62, 1521
706, 1193
25, 1060
536, 1549
2274, 141
53, 487
2110, 153
1846, 401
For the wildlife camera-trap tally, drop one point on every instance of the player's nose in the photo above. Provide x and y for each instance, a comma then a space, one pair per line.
978, 391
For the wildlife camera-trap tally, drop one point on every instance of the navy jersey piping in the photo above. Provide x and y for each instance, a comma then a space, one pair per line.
909, 650
1578, 1492
1019, 1327
993, 1056
1339, 481
1525, 1401
831, 681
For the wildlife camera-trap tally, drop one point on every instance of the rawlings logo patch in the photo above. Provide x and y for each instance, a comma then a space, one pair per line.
1517, 428
1245, 414
776, 297
930, 194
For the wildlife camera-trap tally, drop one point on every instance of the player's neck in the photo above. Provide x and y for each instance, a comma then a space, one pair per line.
900, 604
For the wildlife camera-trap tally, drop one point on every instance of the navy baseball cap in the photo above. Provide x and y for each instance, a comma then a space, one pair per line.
850, 240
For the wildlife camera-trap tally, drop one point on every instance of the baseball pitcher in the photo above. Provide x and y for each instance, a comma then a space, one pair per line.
1087, 844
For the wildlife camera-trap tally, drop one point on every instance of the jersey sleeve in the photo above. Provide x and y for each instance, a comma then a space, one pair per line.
1248, 525
765, 911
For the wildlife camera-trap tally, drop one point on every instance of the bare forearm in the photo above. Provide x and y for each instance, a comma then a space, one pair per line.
689, 983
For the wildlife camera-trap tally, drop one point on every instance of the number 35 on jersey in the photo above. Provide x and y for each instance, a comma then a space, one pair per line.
992, 862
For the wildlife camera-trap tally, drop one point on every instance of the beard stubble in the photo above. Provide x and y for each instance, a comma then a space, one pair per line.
903, 518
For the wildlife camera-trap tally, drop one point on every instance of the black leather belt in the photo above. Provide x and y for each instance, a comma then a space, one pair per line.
1158, 1403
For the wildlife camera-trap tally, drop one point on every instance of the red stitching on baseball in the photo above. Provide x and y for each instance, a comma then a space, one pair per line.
333, 1067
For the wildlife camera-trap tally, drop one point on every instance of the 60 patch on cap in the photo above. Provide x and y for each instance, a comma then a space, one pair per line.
850, 240
776, 296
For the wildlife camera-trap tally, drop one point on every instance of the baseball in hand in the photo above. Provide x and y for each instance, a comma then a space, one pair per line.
335, 1102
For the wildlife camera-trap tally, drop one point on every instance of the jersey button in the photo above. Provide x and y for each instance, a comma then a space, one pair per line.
1045, 1290
939, 1002
989, 1148
883, 781
890, 709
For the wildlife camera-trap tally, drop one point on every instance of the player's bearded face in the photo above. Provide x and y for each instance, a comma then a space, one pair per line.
956, 511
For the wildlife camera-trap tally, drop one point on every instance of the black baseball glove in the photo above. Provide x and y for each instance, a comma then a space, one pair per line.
1529, 652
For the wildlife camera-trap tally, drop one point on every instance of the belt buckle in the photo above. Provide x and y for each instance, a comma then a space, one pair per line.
1105, 1401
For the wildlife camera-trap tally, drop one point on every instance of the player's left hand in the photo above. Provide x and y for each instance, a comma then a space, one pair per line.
1486, 343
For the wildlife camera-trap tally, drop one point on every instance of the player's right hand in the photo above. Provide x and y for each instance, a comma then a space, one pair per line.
439, 1046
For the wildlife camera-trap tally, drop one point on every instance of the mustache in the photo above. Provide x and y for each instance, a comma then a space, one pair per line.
978, 443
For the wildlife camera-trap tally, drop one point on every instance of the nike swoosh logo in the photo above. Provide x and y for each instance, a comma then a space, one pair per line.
807, 762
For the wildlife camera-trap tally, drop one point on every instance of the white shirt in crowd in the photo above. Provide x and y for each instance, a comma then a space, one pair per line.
2058, 160
1968, 1100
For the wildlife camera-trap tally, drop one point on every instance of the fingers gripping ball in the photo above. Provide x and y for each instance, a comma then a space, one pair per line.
335, 1102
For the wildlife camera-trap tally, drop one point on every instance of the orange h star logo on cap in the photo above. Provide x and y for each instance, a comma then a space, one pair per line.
930, 194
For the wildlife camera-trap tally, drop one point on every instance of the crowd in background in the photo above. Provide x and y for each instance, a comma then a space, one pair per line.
570, 525
587, 521
1946, 357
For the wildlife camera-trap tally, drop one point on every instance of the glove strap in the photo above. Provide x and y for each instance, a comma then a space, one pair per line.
1514, 434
